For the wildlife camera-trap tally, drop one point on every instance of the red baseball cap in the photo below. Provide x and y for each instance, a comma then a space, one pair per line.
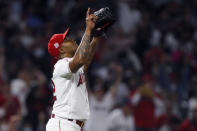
55, 43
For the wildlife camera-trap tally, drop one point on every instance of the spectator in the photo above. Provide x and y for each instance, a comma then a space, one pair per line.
170, 119
37, 102
129, 17
20, 88
7, 104
190, 124
102, 103
147, 106
121, 119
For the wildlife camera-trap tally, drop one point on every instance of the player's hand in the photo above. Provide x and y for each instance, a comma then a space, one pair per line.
90, 20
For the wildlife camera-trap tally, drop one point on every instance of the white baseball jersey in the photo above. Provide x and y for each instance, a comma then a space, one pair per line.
117, 121
69, 90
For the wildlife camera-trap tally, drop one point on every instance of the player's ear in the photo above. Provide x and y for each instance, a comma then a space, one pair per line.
61, 50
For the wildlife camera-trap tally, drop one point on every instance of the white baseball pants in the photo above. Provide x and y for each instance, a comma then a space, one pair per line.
55, 124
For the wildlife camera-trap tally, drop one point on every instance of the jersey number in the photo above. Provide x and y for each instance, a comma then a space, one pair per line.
54, 97
80, 80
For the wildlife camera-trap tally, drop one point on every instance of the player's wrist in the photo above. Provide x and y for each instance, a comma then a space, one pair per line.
88, 31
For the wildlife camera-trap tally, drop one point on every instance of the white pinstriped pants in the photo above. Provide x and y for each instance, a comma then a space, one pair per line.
55, 124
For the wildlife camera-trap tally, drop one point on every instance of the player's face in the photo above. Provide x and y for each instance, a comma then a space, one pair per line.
70, 47
74, 46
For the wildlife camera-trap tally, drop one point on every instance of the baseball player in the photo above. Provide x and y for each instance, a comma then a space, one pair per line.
71, 105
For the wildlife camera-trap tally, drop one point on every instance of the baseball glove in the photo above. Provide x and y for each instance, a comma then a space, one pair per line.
104, 21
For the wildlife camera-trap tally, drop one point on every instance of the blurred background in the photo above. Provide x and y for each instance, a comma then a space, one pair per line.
143, 76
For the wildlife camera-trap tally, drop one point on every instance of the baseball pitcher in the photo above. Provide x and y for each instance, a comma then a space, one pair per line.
71, 106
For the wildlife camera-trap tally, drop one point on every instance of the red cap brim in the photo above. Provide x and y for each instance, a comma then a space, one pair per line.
66, 33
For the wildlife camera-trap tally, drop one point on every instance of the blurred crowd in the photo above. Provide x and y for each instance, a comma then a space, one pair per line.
143, 76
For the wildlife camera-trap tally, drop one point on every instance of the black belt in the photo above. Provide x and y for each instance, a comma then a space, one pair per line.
78, 122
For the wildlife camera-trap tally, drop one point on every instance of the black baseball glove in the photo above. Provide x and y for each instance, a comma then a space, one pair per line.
104, 21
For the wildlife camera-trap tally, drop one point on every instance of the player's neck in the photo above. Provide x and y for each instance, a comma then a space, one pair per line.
66, 56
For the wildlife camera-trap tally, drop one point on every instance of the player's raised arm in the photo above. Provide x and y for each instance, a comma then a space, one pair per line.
91, 52
84, 52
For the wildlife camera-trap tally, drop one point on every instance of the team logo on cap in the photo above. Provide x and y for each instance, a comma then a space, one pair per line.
56, 45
